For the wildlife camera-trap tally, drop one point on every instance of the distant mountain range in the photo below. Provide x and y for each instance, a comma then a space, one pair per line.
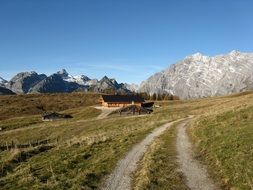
61, 81
198, 76
195, 76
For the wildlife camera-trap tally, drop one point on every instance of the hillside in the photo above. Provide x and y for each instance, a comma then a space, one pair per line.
81, 152
198, 76
34, 104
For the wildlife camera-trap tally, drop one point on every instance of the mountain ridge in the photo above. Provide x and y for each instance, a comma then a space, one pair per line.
61, 81
195, 76
198, 76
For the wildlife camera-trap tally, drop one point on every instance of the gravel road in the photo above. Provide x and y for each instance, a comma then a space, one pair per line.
105, 111
120, 179
195, 173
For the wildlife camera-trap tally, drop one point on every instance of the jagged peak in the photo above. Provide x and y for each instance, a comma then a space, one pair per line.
26, 73
105, 78
198, 54
198, 57
82, 77
32, 72
62, 72
234, 53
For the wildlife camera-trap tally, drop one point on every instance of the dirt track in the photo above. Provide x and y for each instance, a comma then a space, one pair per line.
120, 179
105, 111
195, 173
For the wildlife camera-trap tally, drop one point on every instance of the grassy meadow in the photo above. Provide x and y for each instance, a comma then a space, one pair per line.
80, 152
222, 134
225, 143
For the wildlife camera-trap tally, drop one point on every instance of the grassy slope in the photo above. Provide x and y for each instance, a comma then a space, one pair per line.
223, 135
25, 110
224, 143
32, 104
85, 150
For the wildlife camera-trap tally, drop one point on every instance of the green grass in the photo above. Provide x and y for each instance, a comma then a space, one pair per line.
85, 150
34, 104
20, 122
159, 168
225, 143
83, 113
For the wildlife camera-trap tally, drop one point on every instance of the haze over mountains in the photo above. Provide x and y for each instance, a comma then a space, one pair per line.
195, 76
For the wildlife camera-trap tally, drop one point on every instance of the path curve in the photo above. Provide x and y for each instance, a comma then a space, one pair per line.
105, 111
195, 173
120, 179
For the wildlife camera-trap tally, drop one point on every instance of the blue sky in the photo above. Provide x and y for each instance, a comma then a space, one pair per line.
125, 39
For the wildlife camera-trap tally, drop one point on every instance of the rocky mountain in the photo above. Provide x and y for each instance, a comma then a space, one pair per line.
92, 82
81, 80
3, 82
198, 76
110, 85
106, 83
54, 84
22, 82
5, 91
132, 87
61, 81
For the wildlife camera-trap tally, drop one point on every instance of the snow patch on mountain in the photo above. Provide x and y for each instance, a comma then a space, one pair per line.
198, 76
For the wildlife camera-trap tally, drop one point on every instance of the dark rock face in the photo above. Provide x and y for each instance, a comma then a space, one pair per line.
5, 91
61, 81
3, 82
22, 82
52, 84
106, 83
63, 73
111, 85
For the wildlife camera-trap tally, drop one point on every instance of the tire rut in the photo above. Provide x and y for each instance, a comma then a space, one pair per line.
195, 173
120, 179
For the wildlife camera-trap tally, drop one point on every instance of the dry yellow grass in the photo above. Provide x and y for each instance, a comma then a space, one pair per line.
86, 150
222, 133
159, 168
34, 104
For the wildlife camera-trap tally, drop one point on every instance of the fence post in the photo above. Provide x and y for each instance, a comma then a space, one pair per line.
12, 144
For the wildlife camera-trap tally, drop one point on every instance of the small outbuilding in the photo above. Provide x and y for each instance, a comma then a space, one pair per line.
51, 116
120, 100
134, 109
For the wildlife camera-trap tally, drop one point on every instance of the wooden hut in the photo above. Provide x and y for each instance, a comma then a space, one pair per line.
120, 100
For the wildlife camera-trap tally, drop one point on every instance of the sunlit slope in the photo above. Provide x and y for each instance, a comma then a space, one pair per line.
82, 151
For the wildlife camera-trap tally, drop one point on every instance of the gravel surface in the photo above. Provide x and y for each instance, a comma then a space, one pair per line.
120, 179
105, 111
195, 173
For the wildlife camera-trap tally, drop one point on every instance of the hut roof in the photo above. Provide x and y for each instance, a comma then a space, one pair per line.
54, 115
122, 98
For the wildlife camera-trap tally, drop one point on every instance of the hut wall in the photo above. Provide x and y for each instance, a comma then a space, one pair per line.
120, 104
